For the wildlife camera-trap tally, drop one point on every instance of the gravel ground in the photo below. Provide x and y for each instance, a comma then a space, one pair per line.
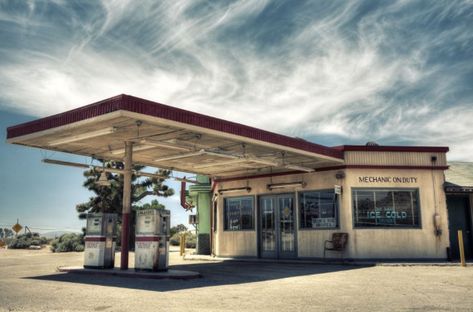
29, 282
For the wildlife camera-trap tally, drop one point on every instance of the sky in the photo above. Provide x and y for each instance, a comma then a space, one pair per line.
332, 72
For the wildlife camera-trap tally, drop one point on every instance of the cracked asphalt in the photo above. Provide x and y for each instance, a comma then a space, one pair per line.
29, 281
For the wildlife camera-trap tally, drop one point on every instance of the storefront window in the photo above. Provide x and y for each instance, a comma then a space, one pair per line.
318, 209
386, 208
238, 213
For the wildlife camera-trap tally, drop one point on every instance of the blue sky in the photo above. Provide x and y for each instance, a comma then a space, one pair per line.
333, 72
43, 196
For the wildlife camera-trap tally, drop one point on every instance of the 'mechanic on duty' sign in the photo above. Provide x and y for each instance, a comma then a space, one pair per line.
386, 179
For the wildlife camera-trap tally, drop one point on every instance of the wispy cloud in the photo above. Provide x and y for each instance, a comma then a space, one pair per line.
398, 74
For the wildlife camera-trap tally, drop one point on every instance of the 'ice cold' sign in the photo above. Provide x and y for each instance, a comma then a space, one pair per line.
386, 213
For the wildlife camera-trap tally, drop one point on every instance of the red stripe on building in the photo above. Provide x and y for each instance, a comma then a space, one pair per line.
384, 148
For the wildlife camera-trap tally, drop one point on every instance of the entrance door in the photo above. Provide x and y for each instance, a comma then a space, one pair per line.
459, 218
277, 226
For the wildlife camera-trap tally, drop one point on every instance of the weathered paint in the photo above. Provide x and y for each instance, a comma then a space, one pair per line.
141, 106
415, 243
158, 119
395, 158
401, 243
126, 209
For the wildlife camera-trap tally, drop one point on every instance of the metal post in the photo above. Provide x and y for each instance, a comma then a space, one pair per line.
462, 250
183, 244
126, 210
180, 245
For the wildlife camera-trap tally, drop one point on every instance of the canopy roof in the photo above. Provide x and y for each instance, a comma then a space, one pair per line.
172, 138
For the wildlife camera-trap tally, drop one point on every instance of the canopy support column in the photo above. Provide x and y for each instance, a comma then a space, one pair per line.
126, 210
202, 196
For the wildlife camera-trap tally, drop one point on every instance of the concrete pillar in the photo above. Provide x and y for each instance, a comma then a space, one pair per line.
126, 210
202, 196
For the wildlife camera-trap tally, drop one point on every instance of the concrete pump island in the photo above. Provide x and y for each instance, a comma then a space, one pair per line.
260, 194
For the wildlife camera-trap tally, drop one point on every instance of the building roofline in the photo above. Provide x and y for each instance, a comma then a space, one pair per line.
332, 168
154, 109
392, 148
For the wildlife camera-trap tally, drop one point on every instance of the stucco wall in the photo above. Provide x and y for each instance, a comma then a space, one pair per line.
401, 243
420, 243
234, 243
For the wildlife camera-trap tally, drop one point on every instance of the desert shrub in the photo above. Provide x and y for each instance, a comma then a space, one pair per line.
24, 241
178, 229
175, 240
79, 248
191, 239
21, 242
68, 242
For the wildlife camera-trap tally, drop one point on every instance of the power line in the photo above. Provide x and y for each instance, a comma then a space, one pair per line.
42, 228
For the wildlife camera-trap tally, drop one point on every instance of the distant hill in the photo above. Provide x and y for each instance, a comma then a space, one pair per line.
55, 234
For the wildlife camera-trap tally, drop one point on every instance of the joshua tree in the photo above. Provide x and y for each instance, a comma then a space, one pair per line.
6, 233
109, 198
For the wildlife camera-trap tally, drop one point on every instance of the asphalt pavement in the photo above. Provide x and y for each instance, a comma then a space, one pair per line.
29, 281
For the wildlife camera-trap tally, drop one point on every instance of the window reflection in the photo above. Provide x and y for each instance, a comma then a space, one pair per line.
318, 209
238, 213
386, 208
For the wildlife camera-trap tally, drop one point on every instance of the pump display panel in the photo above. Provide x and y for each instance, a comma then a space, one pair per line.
146, 223
94, 225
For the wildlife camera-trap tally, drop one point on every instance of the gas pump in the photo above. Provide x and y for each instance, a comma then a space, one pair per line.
100, 237
152, 239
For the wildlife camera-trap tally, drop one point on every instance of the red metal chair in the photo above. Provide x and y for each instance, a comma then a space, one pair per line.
338, 243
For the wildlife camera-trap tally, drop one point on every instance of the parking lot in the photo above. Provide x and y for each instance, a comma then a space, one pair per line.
29, 281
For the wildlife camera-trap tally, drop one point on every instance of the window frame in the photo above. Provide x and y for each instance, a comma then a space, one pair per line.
337, 211
215, 216
224, 214
386, 227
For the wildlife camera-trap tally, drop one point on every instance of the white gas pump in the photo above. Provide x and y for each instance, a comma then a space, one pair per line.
152, 239
100, 237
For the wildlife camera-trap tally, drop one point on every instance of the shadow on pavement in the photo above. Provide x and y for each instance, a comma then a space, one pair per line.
213, 274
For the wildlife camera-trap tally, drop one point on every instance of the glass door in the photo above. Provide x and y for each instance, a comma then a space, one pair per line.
277, 226
268, 228
287, 235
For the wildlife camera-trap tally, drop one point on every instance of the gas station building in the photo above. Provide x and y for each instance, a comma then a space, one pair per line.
264, 195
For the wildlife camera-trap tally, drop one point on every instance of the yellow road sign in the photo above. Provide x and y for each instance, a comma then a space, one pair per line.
17, 228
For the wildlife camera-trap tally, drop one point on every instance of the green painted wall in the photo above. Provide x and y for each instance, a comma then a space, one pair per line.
201, 195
